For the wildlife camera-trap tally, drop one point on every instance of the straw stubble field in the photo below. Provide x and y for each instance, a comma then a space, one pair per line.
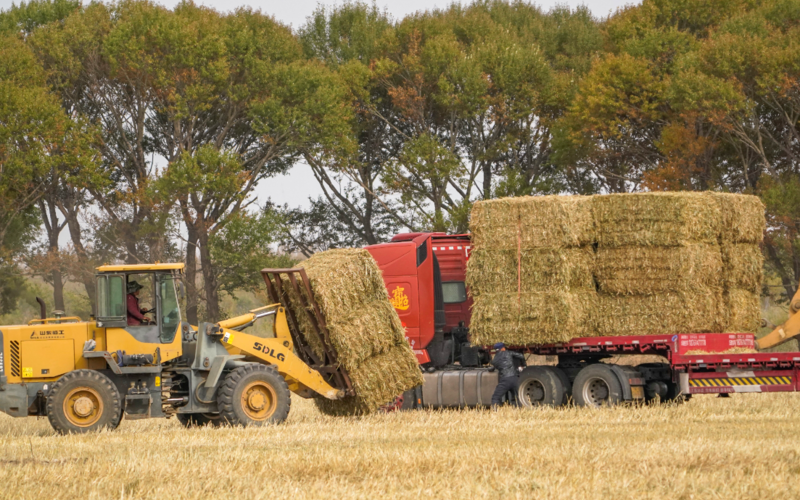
744, 447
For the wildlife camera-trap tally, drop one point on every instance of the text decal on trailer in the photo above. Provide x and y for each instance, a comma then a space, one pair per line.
258, 346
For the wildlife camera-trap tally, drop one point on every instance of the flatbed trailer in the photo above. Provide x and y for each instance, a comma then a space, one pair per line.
425, 276
596, 371
700, 363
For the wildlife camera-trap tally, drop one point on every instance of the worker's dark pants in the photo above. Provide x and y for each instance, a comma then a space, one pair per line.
504, 385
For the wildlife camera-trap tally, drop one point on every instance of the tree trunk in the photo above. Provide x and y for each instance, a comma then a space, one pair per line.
52, 227
192, 298
86, 271
58, 290
209, 278
789, 282
487, 181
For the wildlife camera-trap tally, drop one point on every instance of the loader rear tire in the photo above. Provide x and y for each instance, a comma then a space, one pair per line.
83, 401
254, 394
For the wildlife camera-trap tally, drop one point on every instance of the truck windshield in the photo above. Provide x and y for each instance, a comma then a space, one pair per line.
170, 311
454, 292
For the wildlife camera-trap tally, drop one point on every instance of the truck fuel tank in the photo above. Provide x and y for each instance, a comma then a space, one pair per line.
458, 388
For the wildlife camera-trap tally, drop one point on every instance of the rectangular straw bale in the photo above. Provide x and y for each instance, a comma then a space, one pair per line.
743, 266
743, 308
363, 327
532, 222
534, 318
743, 218
656, 219
541, 269
638, 270
397, 372
685, 312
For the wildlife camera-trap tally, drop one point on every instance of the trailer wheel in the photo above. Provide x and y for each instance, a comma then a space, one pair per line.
539, 386
596, 386
564, 382
674, 394
254, 394
198, 419
83, 401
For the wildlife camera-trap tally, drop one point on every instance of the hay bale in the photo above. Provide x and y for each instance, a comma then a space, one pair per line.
743, 266
540, 269
697, 311
532, 222
743, 218
655, 270
394, 366
531, 318
656, 219
743, 311
363, 326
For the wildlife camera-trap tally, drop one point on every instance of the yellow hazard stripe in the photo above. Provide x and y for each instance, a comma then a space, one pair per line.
727, 382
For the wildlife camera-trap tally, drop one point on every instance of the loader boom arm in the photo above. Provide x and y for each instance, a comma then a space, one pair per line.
787, 331
279, 351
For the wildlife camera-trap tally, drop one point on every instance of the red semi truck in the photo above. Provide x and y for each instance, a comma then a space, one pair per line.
425, 276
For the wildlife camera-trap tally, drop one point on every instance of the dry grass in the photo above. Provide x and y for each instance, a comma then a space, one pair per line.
743, 447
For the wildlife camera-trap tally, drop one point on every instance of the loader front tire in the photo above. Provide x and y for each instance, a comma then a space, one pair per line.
254, 394
83, 401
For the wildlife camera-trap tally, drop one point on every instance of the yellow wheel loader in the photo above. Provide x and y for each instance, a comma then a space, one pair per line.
134, 362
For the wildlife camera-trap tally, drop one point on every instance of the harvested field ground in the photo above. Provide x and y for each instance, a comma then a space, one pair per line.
744, 447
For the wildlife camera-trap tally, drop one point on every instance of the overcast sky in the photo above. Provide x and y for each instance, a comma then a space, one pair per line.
299, 184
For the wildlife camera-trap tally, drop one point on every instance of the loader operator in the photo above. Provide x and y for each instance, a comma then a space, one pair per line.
507, 375
135, 313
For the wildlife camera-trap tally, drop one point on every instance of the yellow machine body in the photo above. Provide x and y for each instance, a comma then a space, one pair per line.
137, 358
43, 351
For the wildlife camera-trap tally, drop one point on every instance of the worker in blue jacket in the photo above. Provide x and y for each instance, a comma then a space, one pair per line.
507, 372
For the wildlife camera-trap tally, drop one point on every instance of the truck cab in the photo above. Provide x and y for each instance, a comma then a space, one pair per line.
425, 276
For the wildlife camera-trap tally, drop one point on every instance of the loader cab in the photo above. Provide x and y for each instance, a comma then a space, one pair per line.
159, 293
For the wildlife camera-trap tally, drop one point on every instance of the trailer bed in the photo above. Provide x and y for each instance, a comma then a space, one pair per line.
711, 371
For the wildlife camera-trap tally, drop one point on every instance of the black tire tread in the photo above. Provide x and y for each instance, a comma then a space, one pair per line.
554, 390
89, 377
599, 370
227, 391
558, 372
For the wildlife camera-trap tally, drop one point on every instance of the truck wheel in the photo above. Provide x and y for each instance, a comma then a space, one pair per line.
596, 385
83, 401
564, 382
409, 400
674, 393
539, 386
254, 394
198, 419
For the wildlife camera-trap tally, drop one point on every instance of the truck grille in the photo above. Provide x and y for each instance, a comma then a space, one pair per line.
14, 358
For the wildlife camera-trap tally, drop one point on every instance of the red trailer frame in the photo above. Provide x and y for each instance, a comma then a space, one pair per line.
711, 372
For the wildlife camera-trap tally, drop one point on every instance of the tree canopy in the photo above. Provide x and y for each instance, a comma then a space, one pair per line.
143, 131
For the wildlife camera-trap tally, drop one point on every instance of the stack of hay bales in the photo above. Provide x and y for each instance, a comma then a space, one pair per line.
531, 269
364, 329
659, 266
743, 226
627, 264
